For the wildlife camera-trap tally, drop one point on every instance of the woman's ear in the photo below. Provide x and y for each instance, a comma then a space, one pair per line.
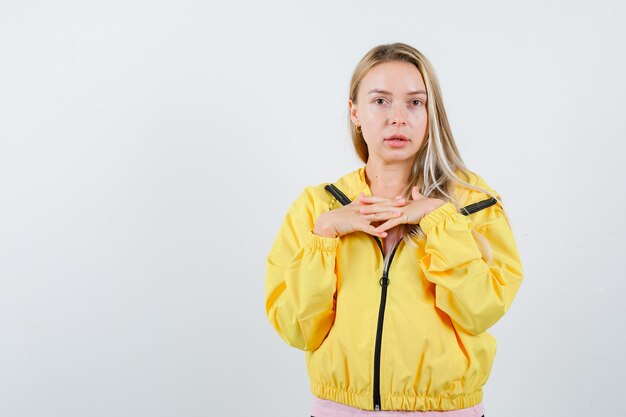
353, 113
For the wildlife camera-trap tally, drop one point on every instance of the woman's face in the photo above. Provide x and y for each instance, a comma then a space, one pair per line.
391, 102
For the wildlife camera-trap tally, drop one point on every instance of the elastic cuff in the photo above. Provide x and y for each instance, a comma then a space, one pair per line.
322, 243
431, 219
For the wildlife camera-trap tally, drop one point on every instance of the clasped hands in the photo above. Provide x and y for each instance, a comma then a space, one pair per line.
365, 210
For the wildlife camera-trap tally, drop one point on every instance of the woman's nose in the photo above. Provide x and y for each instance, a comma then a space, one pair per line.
397, 116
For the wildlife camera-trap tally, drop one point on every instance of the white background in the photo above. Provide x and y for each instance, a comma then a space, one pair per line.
149, 151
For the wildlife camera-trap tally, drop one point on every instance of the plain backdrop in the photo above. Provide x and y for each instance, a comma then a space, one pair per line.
149, 151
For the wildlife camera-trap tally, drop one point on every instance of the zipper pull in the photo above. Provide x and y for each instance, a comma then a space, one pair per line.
384, 281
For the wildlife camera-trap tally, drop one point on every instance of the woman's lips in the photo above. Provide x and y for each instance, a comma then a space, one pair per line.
396, 142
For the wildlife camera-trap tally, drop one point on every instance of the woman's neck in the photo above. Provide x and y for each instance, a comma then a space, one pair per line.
387, 180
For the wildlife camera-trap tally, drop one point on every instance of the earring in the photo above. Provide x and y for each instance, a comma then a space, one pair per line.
358, 128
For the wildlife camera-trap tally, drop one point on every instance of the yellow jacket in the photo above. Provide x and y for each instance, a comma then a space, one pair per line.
415, 339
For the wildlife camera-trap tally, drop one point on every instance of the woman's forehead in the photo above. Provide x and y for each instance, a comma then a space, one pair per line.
393, 77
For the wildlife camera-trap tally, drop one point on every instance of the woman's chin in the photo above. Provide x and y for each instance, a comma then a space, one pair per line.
397, 157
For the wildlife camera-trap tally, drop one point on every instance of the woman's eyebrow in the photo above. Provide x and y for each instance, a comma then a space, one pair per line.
410, 93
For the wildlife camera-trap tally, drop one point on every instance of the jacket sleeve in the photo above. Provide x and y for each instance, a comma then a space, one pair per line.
472, 292
300, 278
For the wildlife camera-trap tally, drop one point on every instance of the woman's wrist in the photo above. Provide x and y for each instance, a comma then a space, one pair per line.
321, 229
435, 203
324, 233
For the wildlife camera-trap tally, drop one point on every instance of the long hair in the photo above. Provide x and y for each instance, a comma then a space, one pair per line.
438, 160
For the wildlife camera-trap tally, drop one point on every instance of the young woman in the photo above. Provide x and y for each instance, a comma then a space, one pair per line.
390, 277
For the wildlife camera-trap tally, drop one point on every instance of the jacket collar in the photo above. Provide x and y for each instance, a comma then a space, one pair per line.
354, 183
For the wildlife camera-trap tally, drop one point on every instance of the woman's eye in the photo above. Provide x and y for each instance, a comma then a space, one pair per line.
417, 102
379, 101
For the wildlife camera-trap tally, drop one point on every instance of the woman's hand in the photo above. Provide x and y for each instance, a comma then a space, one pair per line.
412, 212
350, 218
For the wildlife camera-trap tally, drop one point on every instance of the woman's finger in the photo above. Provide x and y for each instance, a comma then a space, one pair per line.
374, 199
376, 208
415, 193
388, 225
382, 215
372, 231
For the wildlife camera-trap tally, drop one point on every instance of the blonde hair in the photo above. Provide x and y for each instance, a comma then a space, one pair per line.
438, 159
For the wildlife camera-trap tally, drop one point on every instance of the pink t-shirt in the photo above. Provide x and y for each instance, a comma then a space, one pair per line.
327, 408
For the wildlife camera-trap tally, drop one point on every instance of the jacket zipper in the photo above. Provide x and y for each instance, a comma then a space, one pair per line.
384, 283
